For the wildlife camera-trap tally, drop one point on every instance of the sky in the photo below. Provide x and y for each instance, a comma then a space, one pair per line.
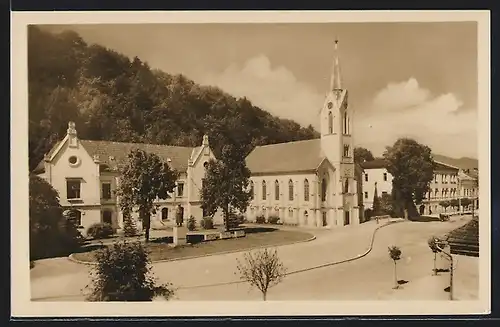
415, 80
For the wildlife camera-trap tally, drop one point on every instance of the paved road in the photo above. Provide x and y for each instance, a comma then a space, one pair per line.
370, 277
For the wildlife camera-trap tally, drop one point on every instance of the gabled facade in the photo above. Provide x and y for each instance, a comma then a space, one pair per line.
86, 175
314, 182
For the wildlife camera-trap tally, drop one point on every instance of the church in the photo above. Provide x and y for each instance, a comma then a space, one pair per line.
313, 183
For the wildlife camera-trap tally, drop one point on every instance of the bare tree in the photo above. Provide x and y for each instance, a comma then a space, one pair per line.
262, 269
395, 254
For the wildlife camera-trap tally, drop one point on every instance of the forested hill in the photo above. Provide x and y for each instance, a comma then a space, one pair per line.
111, 97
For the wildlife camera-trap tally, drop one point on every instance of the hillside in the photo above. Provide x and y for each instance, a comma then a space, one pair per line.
111, 97
464, 162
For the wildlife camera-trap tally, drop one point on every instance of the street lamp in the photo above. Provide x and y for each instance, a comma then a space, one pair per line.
441, 245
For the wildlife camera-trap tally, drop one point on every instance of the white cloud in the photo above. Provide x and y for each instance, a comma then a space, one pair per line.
402, 109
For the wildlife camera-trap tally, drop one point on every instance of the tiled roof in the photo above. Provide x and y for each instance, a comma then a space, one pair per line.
285, 157
374, 164
118, 151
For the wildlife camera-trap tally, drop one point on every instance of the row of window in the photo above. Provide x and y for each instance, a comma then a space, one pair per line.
446, 178
384, 177
366, 194
324, 190
449, 193
345, 123
73, 189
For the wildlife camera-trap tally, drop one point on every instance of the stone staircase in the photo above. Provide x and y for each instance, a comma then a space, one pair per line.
465, 239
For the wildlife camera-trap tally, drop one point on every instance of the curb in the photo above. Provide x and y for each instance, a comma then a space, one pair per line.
359, 256
91, 263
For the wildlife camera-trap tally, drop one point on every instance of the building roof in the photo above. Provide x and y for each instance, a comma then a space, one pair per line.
374, 164
285, 157
114, 154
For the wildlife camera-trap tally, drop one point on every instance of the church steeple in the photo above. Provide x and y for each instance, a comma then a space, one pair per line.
335, 80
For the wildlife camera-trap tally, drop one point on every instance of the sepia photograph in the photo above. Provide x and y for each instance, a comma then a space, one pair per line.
325, 162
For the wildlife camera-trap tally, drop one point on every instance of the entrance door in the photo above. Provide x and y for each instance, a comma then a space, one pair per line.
346, 218
324, 219
422, 209
106, 217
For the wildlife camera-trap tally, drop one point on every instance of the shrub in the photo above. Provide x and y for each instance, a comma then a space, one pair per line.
129, 227
207, 223
191, 223
260, 219
368, 214
100, 230
235, 220
123, 273
273, 219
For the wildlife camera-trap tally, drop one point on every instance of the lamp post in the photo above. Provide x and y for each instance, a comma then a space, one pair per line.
440, 245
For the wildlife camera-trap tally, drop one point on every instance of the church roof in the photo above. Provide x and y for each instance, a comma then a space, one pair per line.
298, 156
374, 164
114, 154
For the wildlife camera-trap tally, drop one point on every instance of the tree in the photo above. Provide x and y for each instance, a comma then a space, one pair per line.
376, 202
129, 227
226, 184
395, 255
144, 178
465, 202
434, 248
386, 204
412, 168
262, 269
445, 204
361, 155
455, 204
123, 273
51, 234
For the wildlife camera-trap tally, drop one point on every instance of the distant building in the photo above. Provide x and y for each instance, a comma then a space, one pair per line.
86, 175
315, 182
449, 183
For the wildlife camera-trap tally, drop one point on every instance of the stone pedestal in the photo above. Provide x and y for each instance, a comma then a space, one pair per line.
180, 237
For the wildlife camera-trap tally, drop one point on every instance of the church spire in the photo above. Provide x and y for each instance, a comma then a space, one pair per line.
335, 81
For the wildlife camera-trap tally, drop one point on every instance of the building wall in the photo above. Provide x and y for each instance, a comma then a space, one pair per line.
384, 184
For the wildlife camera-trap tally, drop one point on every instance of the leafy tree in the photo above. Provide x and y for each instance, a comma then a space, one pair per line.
51, 234
395, 255
226, 184
434, 248
445, 204
465, 202
262, 269
123, 273
386, 204
411, 165
376, 202
361, 155
454, 203
144, 179
129, 226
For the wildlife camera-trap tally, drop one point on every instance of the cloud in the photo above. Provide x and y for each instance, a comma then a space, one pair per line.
401, 109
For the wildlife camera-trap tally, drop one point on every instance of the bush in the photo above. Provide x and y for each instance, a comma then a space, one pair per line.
273, 220
129, 227
368, 214
123, 273
207, 223
51, 234
260, 219
191, 223
100, 230
235, 220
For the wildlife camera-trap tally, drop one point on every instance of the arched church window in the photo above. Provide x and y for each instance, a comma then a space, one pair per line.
324, 187
346, 186
290, 190
330, 123
306, 190
346, 150
264, 190
345, 123
276, 190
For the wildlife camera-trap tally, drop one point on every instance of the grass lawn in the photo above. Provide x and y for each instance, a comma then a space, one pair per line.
255, 237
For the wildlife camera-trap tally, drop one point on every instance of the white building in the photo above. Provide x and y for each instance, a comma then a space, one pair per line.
85, 174
312, 182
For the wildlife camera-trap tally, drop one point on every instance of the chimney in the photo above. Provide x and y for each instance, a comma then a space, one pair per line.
71, 133
205, 140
